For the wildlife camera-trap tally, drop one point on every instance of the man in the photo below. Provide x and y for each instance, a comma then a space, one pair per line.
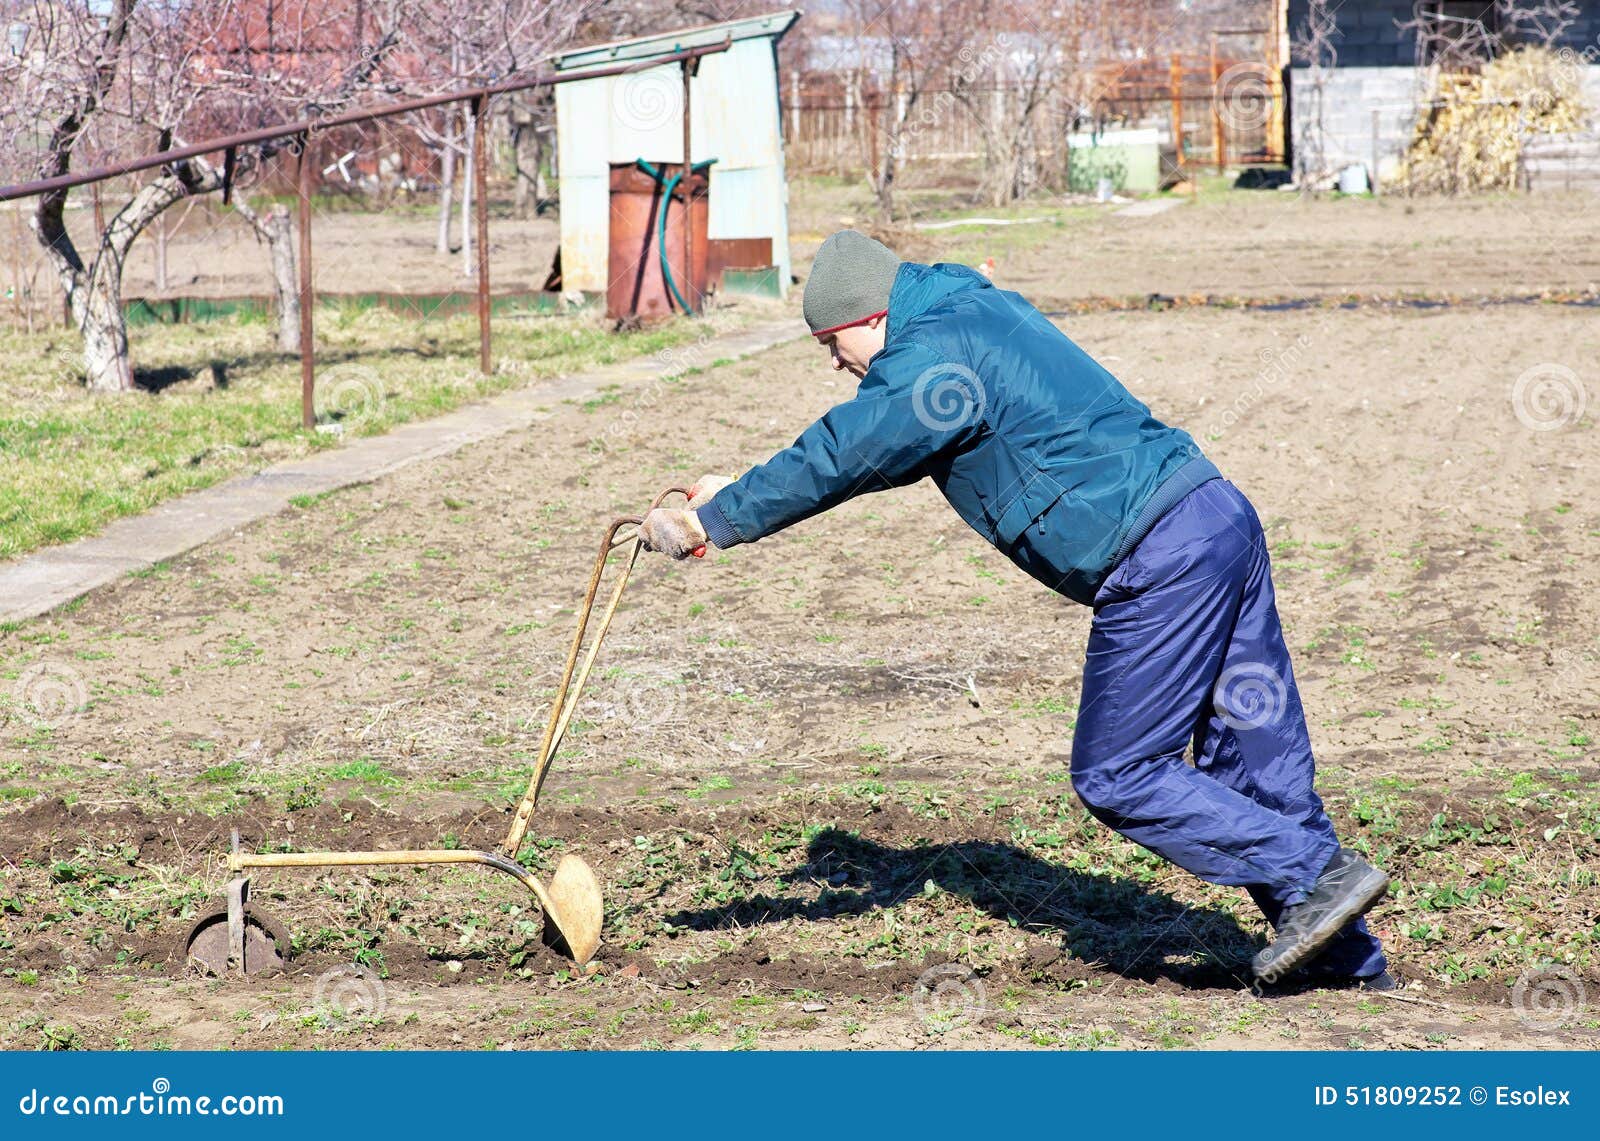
1057, 465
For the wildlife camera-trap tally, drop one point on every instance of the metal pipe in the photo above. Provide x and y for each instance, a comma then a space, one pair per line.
1218, 136
690, 302
289, 130
308, 379
480, 184
566, 698
1175, 80
240, 861
244, 861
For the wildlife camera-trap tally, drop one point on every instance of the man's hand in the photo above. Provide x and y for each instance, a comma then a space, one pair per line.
672, 531
707, 486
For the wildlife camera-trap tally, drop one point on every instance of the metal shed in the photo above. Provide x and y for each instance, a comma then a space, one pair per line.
734, 118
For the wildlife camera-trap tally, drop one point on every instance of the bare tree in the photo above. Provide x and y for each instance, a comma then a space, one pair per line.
1313, 44
1454, 42
1008, 61
312, 68
483, 41
891, 39
89, 55
108, 79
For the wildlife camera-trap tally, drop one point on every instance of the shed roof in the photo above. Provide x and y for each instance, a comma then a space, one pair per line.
773, 24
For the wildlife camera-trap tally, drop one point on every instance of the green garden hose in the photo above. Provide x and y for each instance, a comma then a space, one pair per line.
661, 236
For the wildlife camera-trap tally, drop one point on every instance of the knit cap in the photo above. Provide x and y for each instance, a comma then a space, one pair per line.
849, 283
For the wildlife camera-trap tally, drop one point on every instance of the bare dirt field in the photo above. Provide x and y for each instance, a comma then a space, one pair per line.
1261, 244
1251, 244
824, 779
212, 252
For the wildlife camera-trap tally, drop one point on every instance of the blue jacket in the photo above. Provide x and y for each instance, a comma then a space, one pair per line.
1035, 445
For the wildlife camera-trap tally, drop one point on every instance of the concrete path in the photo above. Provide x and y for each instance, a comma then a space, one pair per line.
1148, 207
40, 582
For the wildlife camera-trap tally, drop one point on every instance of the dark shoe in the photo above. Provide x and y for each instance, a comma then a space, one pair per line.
1346, 890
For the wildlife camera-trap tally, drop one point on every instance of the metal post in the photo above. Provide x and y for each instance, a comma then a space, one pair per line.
1216, 110
1175, 81
161, 252
1376, 127
480, 184
688, 198
238, 897
308, 381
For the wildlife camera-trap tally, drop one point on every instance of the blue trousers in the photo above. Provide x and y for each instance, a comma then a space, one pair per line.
1186, 647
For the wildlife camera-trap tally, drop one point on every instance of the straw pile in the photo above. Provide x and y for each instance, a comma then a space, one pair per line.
1471, 137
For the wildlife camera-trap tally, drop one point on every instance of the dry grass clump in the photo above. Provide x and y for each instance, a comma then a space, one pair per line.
1471, 138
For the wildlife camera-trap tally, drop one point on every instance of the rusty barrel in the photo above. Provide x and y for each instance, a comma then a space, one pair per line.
636, 287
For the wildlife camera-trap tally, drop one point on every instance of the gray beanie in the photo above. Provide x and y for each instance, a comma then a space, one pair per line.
850, 281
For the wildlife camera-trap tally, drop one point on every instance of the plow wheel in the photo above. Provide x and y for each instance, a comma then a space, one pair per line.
261, 948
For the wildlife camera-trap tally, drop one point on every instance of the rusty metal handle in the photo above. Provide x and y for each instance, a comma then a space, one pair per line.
573, 678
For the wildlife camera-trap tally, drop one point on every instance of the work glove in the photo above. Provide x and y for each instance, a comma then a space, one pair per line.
705, 487
673, 531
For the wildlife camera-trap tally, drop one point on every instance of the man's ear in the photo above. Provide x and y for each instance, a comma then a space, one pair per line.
876, 322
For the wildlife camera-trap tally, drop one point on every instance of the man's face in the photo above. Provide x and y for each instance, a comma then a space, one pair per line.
853, 348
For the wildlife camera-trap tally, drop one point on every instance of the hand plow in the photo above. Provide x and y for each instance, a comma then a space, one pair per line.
238, 936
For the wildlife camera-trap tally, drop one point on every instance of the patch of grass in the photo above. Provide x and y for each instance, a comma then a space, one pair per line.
75, 462
364, 771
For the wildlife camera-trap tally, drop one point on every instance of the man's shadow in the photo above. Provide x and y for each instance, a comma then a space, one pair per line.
1101, 919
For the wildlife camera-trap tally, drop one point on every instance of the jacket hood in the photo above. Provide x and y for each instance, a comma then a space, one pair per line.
918, 288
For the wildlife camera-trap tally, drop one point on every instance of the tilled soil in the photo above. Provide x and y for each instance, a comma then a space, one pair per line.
823, 778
